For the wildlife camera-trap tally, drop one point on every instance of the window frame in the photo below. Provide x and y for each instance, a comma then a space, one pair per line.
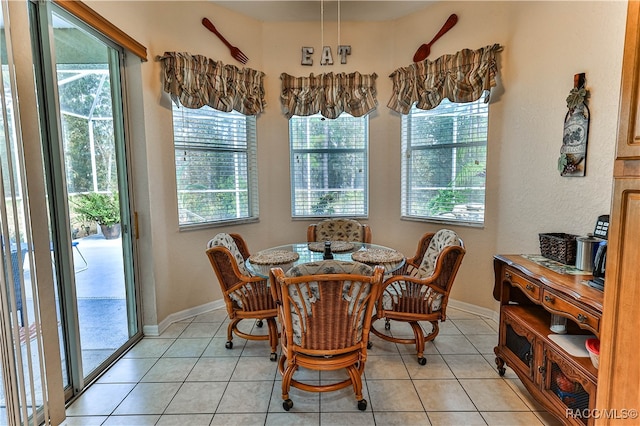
364, 214
252, 203
407, 191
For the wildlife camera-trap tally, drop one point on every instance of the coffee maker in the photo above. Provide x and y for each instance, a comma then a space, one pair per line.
601, 231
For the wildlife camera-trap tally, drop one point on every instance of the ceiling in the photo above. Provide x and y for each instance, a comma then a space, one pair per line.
310, 10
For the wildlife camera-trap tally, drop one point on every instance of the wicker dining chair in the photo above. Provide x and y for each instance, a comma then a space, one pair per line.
245, 296
339, 230
420, 290
325, 311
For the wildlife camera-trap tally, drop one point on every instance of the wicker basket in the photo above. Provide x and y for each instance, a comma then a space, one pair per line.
559, 247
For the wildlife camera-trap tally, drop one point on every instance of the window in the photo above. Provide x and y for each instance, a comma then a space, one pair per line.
329, 166
215, 166
444, 162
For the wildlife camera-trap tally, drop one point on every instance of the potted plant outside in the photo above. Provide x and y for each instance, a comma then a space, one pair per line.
101, 208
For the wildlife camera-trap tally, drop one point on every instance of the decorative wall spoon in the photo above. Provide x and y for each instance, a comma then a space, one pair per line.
424, 50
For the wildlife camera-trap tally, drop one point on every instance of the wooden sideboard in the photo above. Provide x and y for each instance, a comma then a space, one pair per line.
529, 293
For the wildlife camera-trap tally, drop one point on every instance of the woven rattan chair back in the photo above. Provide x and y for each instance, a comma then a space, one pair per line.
420, 290
325, 309
339, 230
245, 296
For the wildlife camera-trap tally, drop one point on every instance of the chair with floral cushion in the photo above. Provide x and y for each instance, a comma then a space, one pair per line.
325, 311
245, 296
420, 290
339, 230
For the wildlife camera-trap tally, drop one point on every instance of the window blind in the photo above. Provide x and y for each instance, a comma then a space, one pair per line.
329, 166
215, 156
444, 162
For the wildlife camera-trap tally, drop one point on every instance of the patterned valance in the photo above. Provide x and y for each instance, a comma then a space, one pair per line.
195, 81
329, 94
461, 77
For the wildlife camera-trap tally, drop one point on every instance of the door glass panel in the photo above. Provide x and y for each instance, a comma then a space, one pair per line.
91, 247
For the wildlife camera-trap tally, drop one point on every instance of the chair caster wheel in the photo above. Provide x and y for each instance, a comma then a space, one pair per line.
362, 404
387, 326
422, 360
273, 356
287, 404
369, 345
229, 345
259, 323
502, 371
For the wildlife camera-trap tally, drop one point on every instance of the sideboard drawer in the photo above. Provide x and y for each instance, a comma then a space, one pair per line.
583, 318
532, 290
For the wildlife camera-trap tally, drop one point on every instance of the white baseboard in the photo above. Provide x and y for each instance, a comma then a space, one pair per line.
156, 330
474, 309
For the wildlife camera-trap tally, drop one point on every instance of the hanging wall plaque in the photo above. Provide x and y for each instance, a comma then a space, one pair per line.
573, 154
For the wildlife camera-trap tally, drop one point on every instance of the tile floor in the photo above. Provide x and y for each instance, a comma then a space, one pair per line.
187, 377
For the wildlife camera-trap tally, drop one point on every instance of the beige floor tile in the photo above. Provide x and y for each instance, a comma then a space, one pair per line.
185, 419
134, 420
150, 347
127, 370
401, 418
303, 401
197, 397
453, 418
258, 348
216, 316
547, 418
100, 399
393, 395
484, 343
255, 368
470, 367
216, 347
493, 324
246, 397
454, 344
449, 327
174, 330
342, 400
188, 347
84, 421
509, 373
212, 369
170, 370
524, 394
363, 418
443, 395
493, 395
410, 349
242, 419
148, 398
511, 418
292, 418
467, 326
381, 347
435, 368
385, 367
199, 329
453, 313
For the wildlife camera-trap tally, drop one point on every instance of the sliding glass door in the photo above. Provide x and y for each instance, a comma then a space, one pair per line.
80, 83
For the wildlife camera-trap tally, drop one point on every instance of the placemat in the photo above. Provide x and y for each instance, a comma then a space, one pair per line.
574, 344
336, 246
377, 256
273, 257
558, 267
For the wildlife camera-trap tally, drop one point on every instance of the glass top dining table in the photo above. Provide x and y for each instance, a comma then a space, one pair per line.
289, 255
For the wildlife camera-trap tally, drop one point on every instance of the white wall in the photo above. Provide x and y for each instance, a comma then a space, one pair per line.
545, 44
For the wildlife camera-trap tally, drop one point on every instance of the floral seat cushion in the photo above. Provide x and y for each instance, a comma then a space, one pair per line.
305, 301
225, 240
443, 238
339, 230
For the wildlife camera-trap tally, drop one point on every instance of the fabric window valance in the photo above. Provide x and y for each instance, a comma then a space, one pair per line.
195, 81
461, 77
329, 94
